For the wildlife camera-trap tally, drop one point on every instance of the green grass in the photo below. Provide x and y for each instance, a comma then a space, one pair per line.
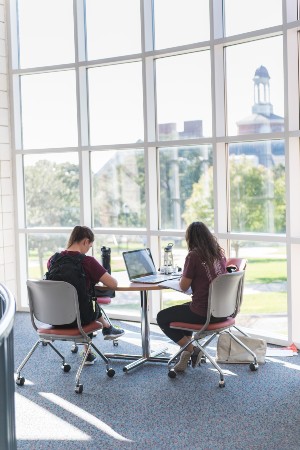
266, 270
264, 303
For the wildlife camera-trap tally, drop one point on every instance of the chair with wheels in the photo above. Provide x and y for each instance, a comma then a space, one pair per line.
241, 264
225, 296
56, 302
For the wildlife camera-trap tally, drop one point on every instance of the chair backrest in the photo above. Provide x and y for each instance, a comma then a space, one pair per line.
53, 302
225, 294
241, 263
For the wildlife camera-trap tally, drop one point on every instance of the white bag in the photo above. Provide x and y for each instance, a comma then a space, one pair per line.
229, 351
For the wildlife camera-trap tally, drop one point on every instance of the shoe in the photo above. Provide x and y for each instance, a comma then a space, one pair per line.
183, 362
90, 359
196, 357
112, 333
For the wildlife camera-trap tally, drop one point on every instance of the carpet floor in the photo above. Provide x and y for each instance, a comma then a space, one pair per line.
145, 409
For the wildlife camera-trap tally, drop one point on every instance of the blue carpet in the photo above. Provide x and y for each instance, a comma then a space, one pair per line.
145, 409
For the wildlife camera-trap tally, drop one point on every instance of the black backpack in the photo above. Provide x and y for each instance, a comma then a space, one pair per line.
69, 268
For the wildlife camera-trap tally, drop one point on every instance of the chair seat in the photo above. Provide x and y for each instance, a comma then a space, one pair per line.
103, 300
211, 327
52, 330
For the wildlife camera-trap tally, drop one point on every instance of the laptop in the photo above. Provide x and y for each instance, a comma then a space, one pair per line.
141, 269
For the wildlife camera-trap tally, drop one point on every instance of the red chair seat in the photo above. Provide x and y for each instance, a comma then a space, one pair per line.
211, 327
50, 329
104, 300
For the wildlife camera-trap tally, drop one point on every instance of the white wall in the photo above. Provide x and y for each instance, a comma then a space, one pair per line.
7, 233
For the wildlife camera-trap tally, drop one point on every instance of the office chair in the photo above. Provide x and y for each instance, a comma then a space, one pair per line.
240, 263
56, 302
100, 301
224, 300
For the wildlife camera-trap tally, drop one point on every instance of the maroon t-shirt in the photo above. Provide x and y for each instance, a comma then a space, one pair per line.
201, 275
92, 269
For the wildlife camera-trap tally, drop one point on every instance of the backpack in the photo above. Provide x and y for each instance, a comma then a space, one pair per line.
64, 267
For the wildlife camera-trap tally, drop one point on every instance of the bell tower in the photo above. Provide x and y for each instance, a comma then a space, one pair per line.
262, 103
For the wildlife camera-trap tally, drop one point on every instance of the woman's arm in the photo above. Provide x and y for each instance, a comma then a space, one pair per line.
185, 283
109, 281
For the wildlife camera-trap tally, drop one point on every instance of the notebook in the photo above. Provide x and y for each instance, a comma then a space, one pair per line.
141, 269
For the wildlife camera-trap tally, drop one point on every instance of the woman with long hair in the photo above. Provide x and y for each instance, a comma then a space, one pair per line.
204, 262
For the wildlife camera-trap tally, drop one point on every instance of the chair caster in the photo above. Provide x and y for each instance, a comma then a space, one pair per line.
172, 373
110, 372
20, 381
74, 348
253, 367
66, 367
44, 344
222, 384
79, 389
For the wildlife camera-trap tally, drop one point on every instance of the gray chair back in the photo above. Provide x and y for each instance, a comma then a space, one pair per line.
53, 302
225, 294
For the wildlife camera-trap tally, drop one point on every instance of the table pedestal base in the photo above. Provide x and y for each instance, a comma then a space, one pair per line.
138, 360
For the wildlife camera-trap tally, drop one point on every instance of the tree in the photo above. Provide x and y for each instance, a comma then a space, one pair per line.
52, 194
200, 205
119, 191
257, 198
52, 200
180, 168
279, 198
248, 195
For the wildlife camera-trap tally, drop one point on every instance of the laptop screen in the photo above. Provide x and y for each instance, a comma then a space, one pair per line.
139, 263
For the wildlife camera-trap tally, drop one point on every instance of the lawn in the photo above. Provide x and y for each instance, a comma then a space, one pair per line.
266, 270
270, 297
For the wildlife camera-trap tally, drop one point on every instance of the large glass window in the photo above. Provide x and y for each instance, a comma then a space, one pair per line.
183, 91
46, 32
243, 16
191, 17
264, 306
186, 186
40, 247
257, 187
116, 104
138, 118
49, 111
113, 28
118, 180
52, 190
255, 95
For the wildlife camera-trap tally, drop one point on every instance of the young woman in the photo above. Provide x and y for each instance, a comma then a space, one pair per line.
80, 241
204, 262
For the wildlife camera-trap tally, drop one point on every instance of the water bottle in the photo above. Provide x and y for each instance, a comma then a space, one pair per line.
105, 261
105, 258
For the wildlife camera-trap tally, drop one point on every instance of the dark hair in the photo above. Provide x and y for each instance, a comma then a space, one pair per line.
200, 239
79, 233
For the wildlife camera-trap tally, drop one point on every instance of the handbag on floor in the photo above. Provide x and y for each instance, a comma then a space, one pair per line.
229, 351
